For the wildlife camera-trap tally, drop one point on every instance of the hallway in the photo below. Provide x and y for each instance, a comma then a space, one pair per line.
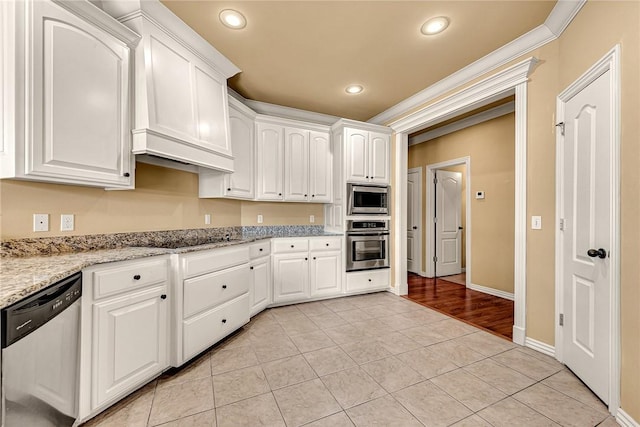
488, 312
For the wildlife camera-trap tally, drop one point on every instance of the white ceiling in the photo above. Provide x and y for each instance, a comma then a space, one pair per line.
302, 54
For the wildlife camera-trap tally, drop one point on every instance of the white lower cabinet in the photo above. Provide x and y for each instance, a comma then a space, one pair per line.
214, 288
124, 332
306, 268
368, 280
261, 284
131, 341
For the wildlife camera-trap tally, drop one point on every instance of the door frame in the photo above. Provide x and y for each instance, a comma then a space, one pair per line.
430, 237
421, 232
609, 62
506, 82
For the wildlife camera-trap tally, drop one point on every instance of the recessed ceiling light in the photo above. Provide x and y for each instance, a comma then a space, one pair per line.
435, 25
233, 19
354, 89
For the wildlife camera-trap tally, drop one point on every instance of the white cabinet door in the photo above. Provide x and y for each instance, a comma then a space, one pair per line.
130, 342
78, 103
290, 277
326, 273
357, 159
241, 182
269, 156
320, 170
260, 287
296, 165
379, 158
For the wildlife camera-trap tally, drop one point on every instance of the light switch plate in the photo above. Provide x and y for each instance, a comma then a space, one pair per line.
40, 222
260, 219
536, 223
312, 219
207, 219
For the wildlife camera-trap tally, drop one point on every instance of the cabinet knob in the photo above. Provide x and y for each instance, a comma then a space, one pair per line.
327, 244
306, 195
251, 268
163, 296
126, 174
313, 195
306, 259
228, 189
136, 277
260, 249
292, 246
224, 286
314, 257
279, 194
367, 176
369, 279
224, 320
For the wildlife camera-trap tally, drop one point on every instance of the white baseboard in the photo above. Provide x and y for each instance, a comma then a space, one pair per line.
543, 348
491, 291
625, 419
519, 335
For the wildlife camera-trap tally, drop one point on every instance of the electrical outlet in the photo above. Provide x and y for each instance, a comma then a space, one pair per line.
312, 219
260, 219
40, 222
207, 219
66, 222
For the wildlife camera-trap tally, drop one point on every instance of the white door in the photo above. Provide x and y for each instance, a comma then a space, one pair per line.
290, 277
269, 156
585, 206
296, 164
320, 169
357, 142
414, 220
379, 162
325, 273
241, 182
259, 292
448, 211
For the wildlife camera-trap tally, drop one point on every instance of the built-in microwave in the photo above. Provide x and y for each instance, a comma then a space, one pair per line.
366, 199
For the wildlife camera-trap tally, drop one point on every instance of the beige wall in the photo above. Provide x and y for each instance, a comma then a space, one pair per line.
562, 61
164, 199
492, 149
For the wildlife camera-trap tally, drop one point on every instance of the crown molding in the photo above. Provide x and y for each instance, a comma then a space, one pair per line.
560, 17
281, 111
484, 116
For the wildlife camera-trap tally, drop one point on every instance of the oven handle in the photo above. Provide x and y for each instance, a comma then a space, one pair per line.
366, 233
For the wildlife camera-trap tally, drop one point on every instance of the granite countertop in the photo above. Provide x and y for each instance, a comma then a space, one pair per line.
21, 276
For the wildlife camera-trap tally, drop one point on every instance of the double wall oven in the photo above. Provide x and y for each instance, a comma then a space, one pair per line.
368, 227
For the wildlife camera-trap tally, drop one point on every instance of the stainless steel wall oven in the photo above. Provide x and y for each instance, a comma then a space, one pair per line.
367, 244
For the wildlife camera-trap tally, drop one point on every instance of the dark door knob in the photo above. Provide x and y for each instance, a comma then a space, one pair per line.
136, 277
224, 320
126, 174
163, 296
459, 228
600, 253
415, 227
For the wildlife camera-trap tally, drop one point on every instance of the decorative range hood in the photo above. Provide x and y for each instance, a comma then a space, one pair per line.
181, 108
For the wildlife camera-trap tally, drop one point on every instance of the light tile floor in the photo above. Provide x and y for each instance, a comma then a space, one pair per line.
370, 360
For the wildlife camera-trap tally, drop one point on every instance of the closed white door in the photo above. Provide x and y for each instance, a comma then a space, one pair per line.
414, 220
357, 142
448, 211
269, 157
379, 162
290, 277
320, 169
259, 291
241, 182
585, 208
296, 164
325, 273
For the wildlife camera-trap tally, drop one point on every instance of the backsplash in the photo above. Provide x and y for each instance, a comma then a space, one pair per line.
158, 239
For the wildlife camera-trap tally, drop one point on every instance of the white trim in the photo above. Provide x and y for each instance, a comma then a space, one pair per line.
559, 18
540, 346
510, 80
284, 112
625, 419
491, 291
431, 212
420, 232
401, 286
476, 119
610, 61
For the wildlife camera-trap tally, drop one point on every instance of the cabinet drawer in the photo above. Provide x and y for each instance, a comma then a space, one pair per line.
290, 245
325, 244
367, 280
258, 250
204, 330
214, 260
129, 276
213, 289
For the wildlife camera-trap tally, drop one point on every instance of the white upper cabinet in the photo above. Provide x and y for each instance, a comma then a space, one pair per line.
181, 89
303, 172
269, 158
367, 156
67, 84
296, 165
241, 183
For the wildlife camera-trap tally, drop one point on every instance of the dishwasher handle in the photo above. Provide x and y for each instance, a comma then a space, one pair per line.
28, 314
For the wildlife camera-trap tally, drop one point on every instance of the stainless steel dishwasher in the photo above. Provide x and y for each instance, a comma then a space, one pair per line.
40, 336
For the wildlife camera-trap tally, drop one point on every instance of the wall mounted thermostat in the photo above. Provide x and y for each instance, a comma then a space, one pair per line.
479, 195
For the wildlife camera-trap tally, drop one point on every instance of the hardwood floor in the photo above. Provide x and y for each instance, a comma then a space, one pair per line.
488, 312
